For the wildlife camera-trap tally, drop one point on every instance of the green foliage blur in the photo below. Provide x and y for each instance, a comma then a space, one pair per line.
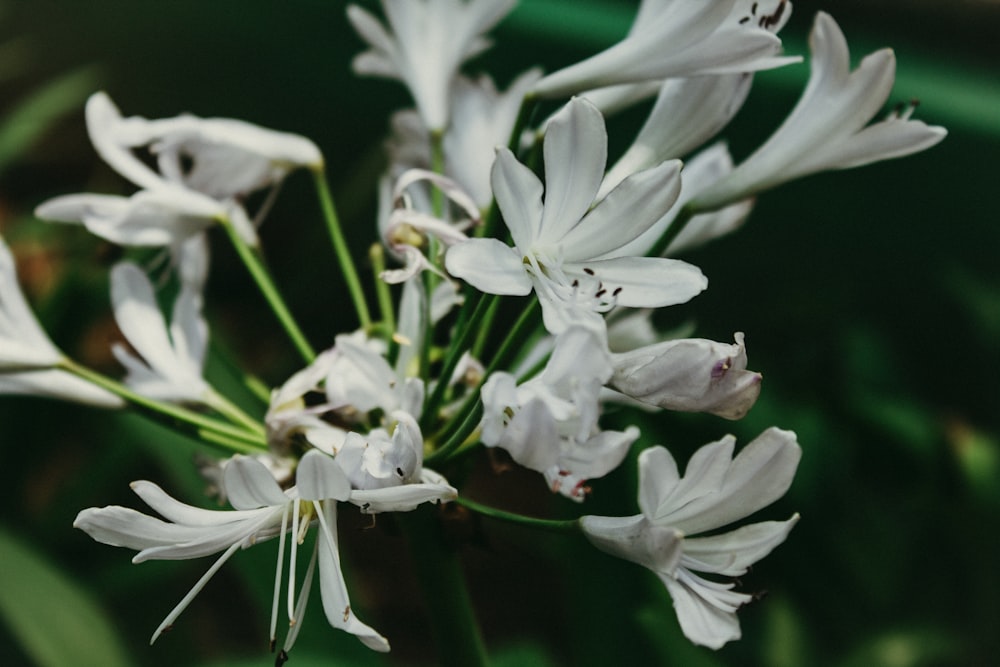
870, 301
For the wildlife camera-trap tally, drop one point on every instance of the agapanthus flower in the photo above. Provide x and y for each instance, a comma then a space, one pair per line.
689, 374
549, 423
564, 248
828, 128
715, 491
426, 43
681, 38
262, 510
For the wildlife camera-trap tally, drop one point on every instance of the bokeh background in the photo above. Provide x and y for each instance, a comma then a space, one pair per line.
870, 301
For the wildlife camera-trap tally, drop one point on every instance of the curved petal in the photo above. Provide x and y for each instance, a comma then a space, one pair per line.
519, 196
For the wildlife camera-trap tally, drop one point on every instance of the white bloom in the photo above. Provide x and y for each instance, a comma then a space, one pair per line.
169, 365
228, 158
715, 491
427, 42
690, 374
262, 511
165, 216
827, 129
680, 38
27, 354
564, 248
549, 423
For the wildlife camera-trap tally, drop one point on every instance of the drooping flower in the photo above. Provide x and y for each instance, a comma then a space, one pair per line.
262, 510
680, 38
426, 43
564, 248
689, 374
549, 423
223, 158
170, 359
715, 491
828, 128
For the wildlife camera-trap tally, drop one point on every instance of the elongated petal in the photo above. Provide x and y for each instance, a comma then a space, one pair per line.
576, 150
519, 196
530, 437
403, 498
333, 589
58, 384
732, 553
186, 515
625, 214
669, 500
642, 282
490, 266
113, 136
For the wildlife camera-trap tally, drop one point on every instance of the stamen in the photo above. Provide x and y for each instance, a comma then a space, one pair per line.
277, 576
291, 564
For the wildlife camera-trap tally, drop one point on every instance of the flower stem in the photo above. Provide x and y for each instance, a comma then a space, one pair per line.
234, 413
377, 256
255, 264
557, 525
212, 430
461, 343
341, 249
438, 571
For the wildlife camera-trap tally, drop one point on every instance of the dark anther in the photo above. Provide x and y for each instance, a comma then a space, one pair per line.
576, 283
601, 292
618, 290
589, 272
744, 20
399, 471
914, 103
281, 659
753, 9
273, 642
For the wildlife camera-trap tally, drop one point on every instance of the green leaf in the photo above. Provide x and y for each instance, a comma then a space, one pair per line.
57, 623
33, 116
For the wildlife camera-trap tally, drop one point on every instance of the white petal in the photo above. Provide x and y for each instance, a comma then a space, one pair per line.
318, 477
576, 150
642, 282
519, 196
490, 266
250, 485
734, 552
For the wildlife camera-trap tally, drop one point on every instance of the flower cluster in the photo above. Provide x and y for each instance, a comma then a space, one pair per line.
477, 227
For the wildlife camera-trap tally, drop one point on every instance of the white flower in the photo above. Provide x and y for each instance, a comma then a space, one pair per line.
827, 129
715, 491
228, 158
262, 511
165, 216
680, 38
169, 365
549, 423
690, 374
27, 355
564, 248
428, 42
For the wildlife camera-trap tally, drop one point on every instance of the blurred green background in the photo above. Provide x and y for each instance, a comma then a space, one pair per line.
870, 300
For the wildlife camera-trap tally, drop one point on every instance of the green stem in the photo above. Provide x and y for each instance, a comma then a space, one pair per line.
438, 571
459, 430
234, 413
455, 350
188, 421
676, 227
557, 525
254, 262
341, 249
377, 256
